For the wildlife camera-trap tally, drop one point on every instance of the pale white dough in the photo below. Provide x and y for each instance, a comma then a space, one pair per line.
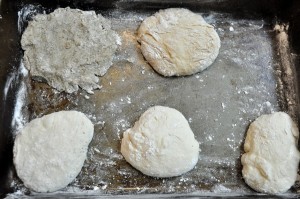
178, 42
161, 143
69, 48
49, 152
271, 160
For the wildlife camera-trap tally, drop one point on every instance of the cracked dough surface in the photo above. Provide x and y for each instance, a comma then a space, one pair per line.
49, 152
271, 158
178, 42
161, 143
69, 48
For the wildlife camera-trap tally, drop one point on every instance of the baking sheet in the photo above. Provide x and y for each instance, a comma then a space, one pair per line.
219, 104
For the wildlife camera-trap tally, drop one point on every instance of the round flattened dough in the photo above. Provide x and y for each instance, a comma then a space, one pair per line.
271, 160
49, 152
178, 42
69, 48
161, 143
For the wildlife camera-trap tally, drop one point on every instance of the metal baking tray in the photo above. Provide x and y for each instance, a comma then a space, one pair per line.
256, 72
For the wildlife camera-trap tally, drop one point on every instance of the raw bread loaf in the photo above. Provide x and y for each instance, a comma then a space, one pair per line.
69, 48
178, 42
271, 158
49, 152
161, 143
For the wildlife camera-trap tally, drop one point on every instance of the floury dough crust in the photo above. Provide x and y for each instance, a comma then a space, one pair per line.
178, 42
69, 48
271, 160
49, 152
161, 143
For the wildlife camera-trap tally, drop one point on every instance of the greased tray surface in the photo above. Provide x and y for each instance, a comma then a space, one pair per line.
219, 104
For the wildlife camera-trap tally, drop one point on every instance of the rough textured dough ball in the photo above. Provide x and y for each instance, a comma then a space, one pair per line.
271, 160
178, 42
161, 143
49, 152
69, 48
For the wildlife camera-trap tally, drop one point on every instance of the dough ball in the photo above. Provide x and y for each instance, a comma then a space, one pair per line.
271, 160
69, 48
178, 42
161, 143
49, 152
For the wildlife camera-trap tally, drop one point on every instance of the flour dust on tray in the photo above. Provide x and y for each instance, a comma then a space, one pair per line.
271, 161
49, 152
178, 42
69, 48
161, 143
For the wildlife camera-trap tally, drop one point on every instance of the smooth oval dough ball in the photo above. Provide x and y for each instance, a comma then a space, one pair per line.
271, 160
69, 48
178, 42
161, 143
49, 152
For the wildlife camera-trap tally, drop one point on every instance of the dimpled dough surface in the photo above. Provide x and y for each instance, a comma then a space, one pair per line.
161, 143
271, 160
49, 152
69, 48
178, 42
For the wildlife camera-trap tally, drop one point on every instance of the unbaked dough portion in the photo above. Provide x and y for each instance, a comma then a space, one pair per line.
271, 160
68, 48
49, 152
161, 143
178, 42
